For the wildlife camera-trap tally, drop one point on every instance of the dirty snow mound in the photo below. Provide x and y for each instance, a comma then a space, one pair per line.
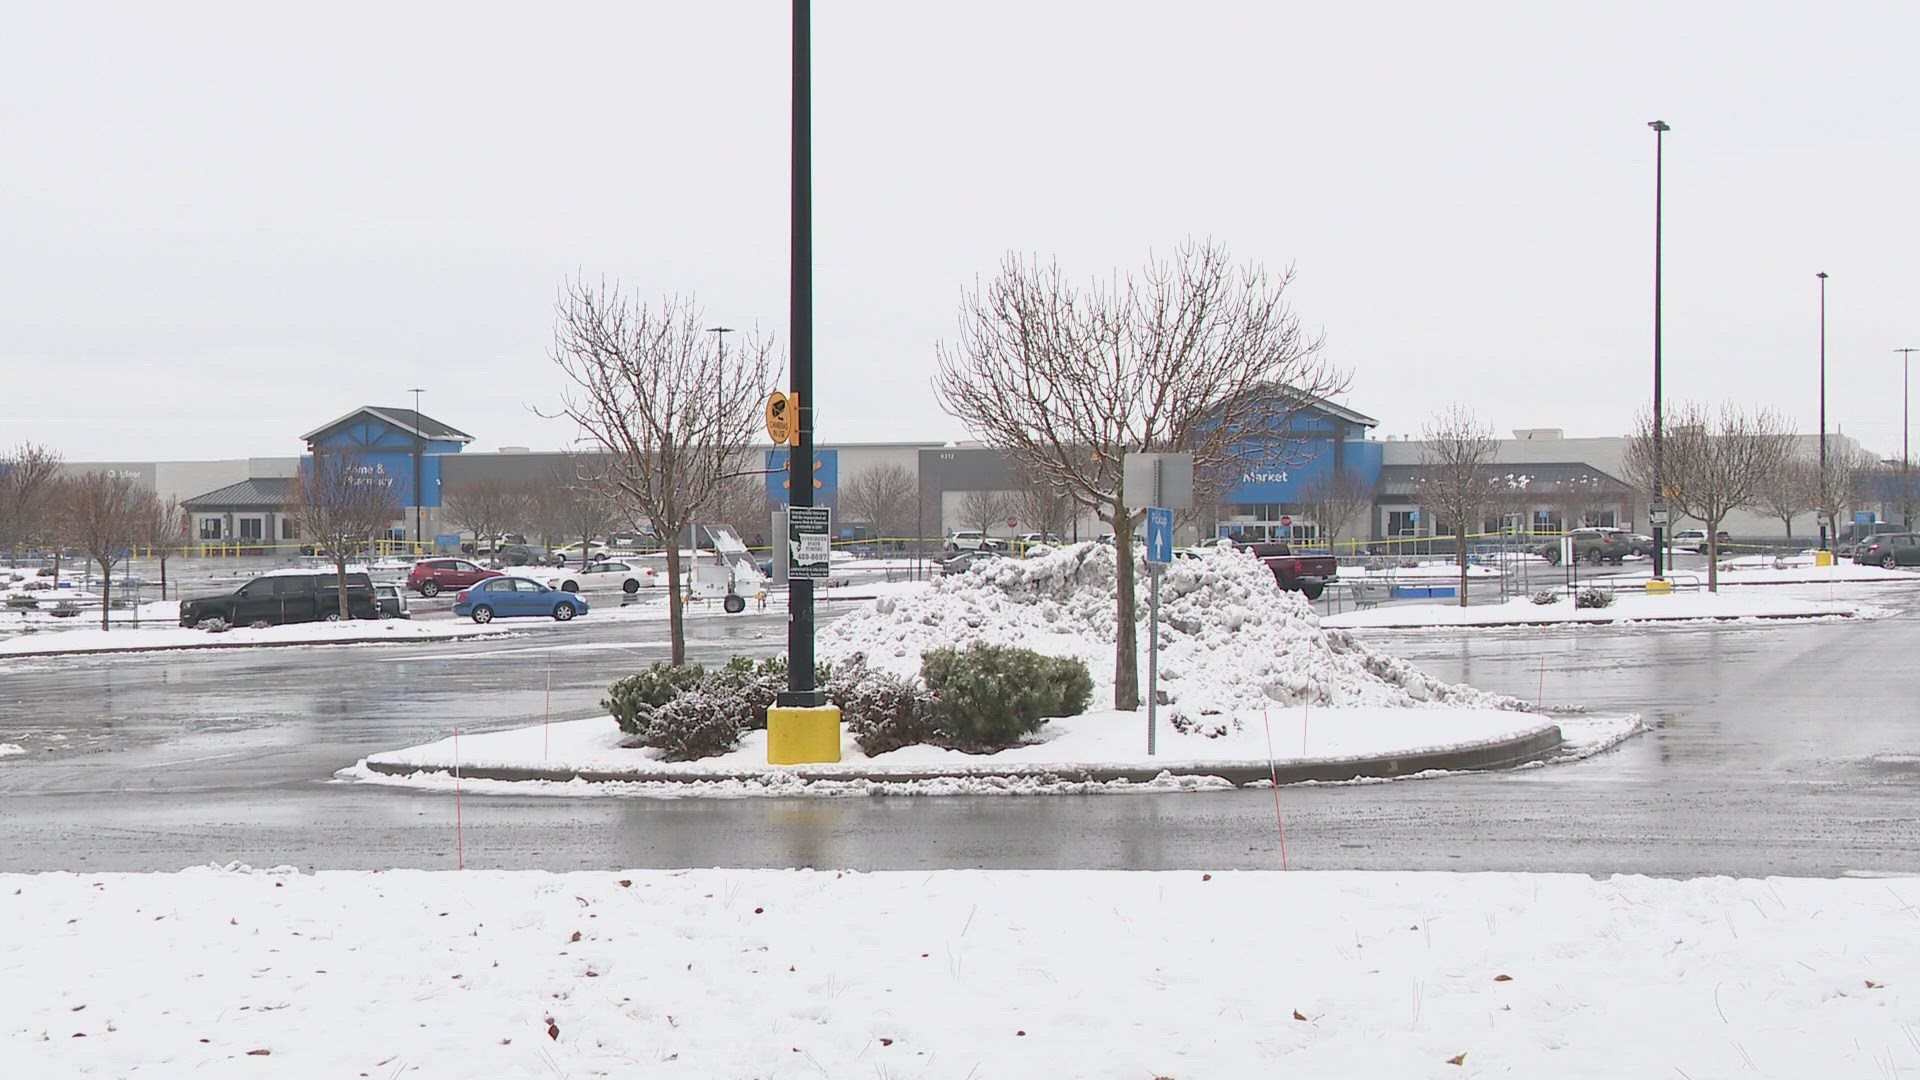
1230, 639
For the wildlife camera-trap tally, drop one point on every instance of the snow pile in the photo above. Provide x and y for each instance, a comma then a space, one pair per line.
1230, 639
8, 749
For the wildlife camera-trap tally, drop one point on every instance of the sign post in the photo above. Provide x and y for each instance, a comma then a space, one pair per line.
1159, 554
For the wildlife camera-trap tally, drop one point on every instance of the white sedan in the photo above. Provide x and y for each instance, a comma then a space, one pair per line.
609, 576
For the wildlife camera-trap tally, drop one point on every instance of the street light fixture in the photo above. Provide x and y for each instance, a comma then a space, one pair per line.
1826, 528
720, 333
1660, 128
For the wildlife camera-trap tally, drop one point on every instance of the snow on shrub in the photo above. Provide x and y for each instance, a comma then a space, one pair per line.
631, 700
987, 697
1230, 640
1545, 597
1591, 597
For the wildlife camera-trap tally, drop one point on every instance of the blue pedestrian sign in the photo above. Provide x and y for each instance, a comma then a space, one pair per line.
1159, 535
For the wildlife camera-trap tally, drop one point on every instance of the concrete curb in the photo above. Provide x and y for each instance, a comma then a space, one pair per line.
1491, 754
1634, 620
111, 651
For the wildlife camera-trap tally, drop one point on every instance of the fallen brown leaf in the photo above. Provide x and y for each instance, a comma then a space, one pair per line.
1298, 1015
1503, 978
1457, 1059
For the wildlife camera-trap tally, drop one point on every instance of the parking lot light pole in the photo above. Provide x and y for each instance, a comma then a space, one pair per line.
1660, 129
419, 450
1906, 464
1827, 526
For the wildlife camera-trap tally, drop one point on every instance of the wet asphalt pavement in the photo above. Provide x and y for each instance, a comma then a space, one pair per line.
1779, 750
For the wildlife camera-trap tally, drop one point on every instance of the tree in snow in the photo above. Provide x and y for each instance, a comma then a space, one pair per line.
341, 505
884, 497
569, 506
1335, 498
1187, 354
106, 515
1840, 485
1456, 481
1789, 491
1714, 462
1042, 507
669, 406
166, 534
984, 510
488, 508
29, 478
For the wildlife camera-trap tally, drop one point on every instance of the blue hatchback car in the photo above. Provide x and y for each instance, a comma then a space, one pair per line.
505, 597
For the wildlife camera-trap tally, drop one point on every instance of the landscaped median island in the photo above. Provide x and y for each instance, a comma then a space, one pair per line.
517, 975
984, 681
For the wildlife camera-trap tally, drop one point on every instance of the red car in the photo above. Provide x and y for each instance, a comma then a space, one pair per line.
429, 577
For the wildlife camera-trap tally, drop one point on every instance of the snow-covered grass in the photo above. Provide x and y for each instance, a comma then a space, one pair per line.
1230, 640
1626, 607
1788, 570
1097, 741
955, 974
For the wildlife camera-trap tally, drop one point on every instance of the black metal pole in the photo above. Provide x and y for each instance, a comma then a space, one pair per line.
1826, 526
419, 450
801, 693
1660, 128
1906, 463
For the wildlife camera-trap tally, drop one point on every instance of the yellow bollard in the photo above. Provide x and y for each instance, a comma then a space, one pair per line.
1660, 587
803, 736
1823, 558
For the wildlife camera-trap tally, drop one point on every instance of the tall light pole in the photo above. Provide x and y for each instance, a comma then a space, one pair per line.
801, 692
720, 333
1906, 464
1660, 129
419, 449
1826, 527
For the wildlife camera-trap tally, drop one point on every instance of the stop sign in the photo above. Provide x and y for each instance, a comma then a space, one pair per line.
1286, 522
1012, 522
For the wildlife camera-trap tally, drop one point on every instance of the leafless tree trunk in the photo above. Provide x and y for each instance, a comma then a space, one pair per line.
1788, 491
883, 497
1337, 496
1839, 487
672, 410
488, 508
166, 533
341, 505
984, 510
106, 517
1715, 461
1455, 478
1189, 354
28, 478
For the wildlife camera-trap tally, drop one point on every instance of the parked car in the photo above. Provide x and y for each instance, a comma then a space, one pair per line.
1637, 543
525, 555
1589, 546
1855, 533
505, 597
967, 560
1028, 539
612, 575
1889, 550
1304, 574
392, 600
283, 596
1695, 540
431, 577
577, 554
972, 540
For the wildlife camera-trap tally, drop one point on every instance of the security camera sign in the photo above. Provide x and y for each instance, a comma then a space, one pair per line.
808, 531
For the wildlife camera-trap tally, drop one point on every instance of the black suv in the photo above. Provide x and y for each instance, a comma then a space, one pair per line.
287, 596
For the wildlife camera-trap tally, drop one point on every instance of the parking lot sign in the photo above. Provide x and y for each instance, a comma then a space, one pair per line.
809, 533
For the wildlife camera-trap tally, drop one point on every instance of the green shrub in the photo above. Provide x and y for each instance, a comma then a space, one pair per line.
991, 696
633, 699
1591, 597
696, 724
1545, 597
886, 712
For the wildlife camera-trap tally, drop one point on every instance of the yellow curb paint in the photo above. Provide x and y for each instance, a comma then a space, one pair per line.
803, 736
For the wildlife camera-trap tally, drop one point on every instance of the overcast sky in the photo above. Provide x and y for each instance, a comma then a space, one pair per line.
222, 225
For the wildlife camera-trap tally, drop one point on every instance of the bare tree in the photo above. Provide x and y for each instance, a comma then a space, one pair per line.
29, 476
742, 503
166, 534
487, 508
882, 496
670, 408
1838, 487
1788, 491
984, 509
1336, 497
1455, 478
106, 516
1715, 461
341, 505
1584, 500
1191, 354
569, 504
1041, 507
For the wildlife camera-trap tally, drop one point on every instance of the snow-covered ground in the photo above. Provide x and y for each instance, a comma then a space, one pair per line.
1626, 607
1098, 741
955, 974
135, 639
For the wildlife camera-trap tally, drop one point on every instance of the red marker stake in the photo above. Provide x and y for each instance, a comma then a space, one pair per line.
546, 730
1273, 772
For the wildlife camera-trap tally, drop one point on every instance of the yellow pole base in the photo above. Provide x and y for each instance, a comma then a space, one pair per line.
1823, 558
803, 736
1660, 588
